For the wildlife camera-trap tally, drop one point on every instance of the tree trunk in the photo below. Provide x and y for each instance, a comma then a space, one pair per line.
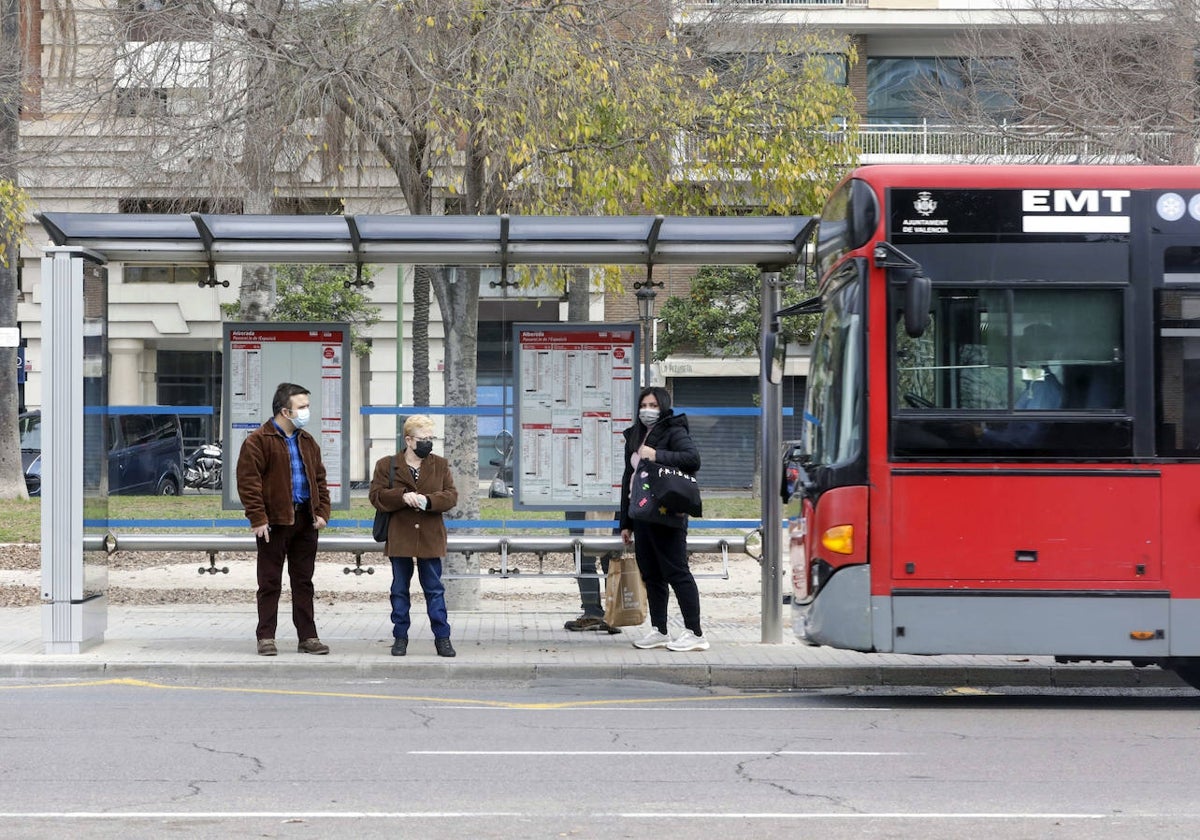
12, 479
579, 295
256, 297
459, 302
422, 278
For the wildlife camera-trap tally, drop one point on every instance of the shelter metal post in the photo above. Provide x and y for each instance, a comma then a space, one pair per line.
771, 422
74, 607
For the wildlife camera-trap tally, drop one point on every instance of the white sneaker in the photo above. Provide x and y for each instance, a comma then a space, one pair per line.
653, 640
688, 641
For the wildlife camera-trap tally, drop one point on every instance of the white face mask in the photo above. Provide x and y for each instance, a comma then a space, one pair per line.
300, 417
648, 416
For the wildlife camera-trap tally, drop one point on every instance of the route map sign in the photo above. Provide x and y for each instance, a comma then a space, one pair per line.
576, 385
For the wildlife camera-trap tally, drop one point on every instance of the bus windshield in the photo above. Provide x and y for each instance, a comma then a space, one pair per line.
833, 417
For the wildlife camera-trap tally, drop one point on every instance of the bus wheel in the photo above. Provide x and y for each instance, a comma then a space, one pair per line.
1187, 669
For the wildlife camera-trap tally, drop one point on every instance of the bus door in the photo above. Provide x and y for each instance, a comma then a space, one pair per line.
1177, 424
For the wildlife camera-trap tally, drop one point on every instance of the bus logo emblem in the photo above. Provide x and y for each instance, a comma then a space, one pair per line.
925, 205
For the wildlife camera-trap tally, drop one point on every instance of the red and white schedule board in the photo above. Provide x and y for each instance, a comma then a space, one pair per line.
258, 357
575, 389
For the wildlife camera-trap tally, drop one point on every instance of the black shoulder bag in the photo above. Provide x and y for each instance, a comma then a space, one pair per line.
383, 517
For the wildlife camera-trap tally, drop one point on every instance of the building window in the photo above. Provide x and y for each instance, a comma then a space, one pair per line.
140, 101
905, 90
167, 273
163, 20
309, 206
835, 67
188, 377
194, 274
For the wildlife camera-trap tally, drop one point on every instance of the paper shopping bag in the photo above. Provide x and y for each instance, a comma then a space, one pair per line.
624, 594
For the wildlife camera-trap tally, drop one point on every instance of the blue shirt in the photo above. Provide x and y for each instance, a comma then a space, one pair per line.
300, 491
1046, 394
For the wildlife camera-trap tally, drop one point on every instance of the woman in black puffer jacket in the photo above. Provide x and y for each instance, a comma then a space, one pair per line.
660, 546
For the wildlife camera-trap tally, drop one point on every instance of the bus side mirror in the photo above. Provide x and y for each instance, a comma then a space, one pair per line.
918, 288
917, 294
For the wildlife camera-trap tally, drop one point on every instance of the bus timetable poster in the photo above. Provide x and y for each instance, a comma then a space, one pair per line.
576, 385
259, 356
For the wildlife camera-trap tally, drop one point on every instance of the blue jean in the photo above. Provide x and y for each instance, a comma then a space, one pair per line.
429, 572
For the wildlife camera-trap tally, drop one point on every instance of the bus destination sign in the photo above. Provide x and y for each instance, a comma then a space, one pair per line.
978, 215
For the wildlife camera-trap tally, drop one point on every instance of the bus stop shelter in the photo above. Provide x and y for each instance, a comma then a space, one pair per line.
74, 604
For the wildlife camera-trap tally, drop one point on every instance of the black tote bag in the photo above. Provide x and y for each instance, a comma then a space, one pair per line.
659, 493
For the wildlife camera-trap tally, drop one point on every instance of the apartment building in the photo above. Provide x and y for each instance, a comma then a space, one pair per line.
165, 322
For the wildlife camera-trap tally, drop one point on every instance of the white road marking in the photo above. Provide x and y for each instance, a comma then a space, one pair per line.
637, 815
247, 815
857, 816
626, 753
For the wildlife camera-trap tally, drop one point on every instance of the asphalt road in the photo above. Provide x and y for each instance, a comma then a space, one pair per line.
584, 759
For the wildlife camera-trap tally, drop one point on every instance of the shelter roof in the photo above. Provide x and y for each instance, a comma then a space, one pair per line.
206, 239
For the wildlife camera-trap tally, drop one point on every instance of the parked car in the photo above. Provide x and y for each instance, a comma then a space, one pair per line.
145, 453
29, 425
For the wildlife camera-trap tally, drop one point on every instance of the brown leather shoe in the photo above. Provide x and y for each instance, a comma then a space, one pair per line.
587, 623
315, 646
266, 647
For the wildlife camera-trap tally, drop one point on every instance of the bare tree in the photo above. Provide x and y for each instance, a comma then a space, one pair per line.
519, 105
493, 105
1081, 81
12, 481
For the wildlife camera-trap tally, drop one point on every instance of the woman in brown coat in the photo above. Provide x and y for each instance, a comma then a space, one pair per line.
417, 488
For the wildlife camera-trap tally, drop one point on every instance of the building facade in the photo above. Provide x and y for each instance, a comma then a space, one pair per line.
165, 323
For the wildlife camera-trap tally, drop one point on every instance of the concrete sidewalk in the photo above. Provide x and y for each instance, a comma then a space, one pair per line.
191, 641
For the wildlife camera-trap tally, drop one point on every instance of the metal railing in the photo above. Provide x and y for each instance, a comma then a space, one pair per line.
502, 545
1006, 140
911, 142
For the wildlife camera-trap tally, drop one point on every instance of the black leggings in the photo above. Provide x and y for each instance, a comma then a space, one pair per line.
662, 558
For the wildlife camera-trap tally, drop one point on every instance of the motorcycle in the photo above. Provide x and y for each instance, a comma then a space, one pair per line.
202, 469
502, 485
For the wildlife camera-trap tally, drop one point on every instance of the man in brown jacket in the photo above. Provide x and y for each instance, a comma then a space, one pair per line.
281, 482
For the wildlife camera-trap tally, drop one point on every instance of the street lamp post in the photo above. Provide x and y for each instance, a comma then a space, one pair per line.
644, 291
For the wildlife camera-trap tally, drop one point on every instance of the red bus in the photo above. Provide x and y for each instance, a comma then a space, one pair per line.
1001, 445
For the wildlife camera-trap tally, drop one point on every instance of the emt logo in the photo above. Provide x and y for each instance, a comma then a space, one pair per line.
1075, 211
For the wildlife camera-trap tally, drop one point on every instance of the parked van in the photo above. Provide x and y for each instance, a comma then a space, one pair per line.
145, 453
